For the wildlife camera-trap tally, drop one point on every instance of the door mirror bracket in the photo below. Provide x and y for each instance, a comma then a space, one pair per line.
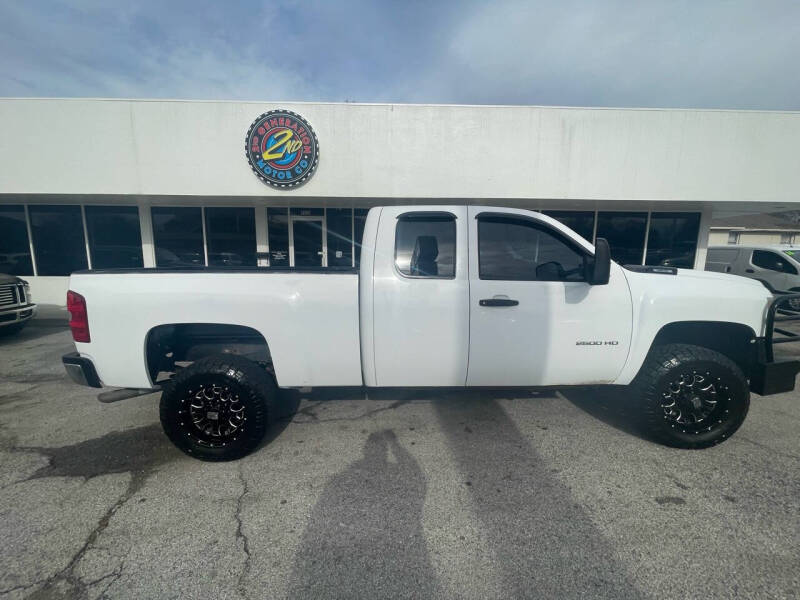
599, 268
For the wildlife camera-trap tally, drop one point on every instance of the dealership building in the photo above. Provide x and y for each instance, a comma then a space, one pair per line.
145, 183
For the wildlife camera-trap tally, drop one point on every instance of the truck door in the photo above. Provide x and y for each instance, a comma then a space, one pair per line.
421, 297
533, 318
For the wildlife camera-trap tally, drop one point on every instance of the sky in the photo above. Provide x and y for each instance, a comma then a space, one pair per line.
732, 54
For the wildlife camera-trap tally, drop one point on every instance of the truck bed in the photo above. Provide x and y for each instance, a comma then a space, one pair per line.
308, 317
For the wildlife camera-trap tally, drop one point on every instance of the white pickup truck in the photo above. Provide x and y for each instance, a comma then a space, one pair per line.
445, 296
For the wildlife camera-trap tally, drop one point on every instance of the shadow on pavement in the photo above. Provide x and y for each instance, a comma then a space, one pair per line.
364, 538
32, 331
610, 404
544, 544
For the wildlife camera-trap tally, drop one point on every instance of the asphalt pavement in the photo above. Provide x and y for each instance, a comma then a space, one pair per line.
385, 494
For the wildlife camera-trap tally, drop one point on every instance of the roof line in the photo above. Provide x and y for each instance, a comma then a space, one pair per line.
452, 105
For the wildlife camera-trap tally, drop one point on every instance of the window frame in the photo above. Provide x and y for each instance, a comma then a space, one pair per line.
535, 224
88, 209
154, 210
37, 255
433, 215
776, 256
28, 239
206, 236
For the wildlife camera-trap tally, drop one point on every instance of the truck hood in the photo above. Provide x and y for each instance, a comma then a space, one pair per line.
720, 278
6, 279
699, 296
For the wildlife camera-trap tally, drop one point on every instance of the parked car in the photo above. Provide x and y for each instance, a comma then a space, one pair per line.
446, 296
777, 266
16, 307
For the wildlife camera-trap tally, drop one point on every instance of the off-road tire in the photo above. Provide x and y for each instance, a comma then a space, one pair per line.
666, 365
251, 384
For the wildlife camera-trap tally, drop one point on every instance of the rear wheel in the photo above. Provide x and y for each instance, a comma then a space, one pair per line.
218, 408
693, 397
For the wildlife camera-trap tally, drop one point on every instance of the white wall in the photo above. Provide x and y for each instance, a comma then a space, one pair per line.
718, 238
48, 290
759, 238
57, 146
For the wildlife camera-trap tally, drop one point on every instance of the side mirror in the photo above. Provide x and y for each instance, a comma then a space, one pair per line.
600, 268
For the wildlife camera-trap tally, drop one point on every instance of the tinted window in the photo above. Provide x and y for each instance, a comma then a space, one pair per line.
426, 246
339, 222
359, 219
772, 261
581, 222
672, 240
115, 238
278, 236
231, 236
625, 235
15, 250
178, 236
519, 249
58, 240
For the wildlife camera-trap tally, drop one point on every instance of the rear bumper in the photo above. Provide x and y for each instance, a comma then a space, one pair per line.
18, 314
81, 370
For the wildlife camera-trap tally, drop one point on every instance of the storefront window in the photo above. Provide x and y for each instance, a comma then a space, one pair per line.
278, 233
672, 240
359, 219
58, 240
15, 250
625, 234
115, 237
178, 236
581, 222
339, 222
231, 236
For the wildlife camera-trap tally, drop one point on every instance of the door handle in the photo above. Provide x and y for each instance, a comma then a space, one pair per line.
498, 302
749, 271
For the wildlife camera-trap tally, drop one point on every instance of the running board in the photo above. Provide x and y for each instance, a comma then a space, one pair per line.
124, 394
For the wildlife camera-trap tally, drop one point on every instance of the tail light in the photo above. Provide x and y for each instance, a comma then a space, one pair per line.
79, 323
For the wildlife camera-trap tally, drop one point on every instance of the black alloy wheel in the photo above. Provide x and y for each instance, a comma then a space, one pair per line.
690, 396
219, 408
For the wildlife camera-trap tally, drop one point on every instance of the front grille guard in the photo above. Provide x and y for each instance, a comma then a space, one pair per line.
782, 311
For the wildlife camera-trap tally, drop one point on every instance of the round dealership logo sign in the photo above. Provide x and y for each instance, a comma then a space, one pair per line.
282, 148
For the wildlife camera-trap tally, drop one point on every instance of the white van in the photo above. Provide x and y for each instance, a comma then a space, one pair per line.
777, 267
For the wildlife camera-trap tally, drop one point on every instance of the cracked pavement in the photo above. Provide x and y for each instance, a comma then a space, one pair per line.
387, 493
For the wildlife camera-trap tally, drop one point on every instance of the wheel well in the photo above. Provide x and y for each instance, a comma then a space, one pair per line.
188, 342
734, 340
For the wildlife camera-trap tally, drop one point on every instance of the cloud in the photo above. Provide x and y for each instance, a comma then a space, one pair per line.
723, 54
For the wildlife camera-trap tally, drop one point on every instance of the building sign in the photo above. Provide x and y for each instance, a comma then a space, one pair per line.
282, 149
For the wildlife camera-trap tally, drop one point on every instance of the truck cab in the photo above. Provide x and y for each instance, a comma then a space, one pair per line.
482, 296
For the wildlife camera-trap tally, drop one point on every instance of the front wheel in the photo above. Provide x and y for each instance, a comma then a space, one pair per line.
692, 397
218, 408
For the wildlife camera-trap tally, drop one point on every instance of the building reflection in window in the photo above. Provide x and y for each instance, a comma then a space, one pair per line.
672, 239
625, 233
